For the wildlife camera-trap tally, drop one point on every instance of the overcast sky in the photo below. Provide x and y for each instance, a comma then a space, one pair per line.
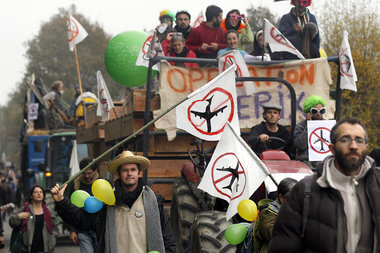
21, 21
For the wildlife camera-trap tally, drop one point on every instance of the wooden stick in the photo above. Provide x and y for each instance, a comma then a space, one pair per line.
122, 142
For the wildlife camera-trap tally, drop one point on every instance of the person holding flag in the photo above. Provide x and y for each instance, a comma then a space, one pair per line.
293, 23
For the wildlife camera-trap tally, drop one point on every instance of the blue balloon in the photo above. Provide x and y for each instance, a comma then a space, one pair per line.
92, 204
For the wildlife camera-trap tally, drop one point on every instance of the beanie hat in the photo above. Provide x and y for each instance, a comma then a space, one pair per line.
304, 3
312, 101
166, 13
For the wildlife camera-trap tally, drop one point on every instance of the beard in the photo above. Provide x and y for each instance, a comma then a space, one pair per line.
349, 165
216, 24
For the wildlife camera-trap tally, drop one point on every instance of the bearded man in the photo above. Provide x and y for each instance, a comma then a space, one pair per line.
208, 38
343, 210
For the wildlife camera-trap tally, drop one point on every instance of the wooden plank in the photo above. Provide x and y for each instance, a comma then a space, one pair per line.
181, 144
91, 134
165, 190
165, 168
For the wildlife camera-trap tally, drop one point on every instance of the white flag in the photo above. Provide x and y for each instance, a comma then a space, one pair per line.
234, 57
147, 48
75, 31
33, 111
207, 110
278, 42
74, 162
348, 76
105, 103
234, 171
199, 19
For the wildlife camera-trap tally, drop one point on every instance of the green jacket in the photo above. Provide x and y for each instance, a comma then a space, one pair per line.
262, 232
27, 237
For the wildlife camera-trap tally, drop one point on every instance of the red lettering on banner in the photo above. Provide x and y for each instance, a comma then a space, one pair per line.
253, 73
172, 85
292, 76
195, 75
308, 74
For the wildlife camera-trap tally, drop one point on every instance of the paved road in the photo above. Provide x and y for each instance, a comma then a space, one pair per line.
64, 244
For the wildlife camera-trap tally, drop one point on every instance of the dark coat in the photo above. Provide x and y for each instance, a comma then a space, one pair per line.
326, 218
287, 22
258, 147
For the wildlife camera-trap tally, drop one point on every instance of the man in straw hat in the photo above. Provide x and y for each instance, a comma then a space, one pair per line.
136, 223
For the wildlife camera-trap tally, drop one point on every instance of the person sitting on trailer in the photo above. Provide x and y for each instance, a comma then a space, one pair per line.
174, 46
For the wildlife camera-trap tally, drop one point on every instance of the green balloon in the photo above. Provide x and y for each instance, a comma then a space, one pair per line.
235, 233
120, 58
154, 251
78, 197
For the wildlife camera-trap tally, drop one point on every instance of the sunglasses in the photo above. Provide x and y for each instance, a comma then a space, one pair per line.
235, 16
315, 110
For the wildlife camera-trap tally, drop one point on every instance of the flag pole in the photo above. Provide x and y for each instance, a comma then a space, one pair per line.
122, 142
264, 47
245, 145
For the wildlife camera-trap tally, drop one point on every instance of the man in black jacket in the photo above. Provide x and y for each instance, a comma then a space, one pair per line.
343, 210
136, 223
259, 137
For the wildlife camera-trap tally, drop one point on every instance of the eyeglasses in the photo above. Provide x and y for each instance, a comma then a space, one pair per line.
315, 110
235, 16
346, 141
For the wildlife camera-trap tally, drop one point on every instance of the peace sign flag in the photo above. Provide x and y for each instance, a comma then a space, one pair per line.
75, 32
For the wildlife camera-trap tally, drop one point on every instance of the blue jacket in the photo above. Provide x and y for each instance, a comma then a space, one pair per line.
287, 22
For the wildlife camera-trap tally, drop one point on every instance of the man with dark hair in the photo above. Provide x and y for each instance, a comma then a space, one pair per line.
207, 38
136, 223
267, 216
259, 136
342, 207
86, 239
182, 20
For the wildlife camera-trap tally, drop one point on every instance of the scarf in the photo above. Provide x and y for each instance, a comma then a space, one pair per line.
302, 17
47, 218
124, 197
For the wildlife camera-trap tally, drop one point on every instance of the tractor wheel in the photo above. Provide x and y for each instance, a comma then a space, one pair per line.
184, 207
207, 233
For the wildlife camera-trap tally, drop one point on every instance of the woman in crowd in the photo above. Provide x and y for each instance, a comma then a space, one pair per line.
233, 21
232, 39
37, 224
174, 46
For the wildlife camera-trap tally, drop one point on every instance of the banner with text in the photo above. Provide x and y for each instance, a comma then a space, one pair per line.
308, 77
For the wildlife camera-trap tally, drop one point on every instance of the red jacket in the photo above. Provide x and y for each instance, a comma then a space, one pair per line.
165, 44
204, 34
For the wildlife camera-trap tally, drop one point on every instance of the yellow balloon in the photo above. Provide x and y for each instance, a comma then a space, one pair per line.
102, 190
322, 52
247, 209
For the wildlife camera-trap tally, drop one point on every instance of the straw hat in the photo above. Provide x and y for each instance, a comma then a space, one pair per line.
128, 157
